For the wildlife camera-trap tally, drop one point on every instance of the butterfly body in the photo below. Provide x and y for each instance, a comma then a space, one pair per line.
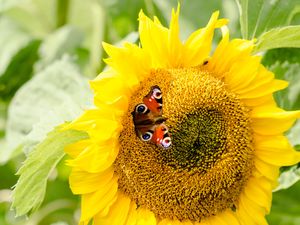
148, 119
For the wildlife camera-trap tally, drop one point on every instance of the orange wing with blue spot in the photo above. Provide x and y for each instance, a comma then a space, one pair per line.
148, 119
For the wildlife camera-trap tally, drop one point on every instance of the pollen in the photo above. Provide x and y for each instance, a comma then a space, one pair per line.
211, 157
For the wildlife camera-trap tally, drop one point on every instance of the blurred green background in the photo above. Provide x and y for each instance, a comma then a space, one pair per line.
49, 49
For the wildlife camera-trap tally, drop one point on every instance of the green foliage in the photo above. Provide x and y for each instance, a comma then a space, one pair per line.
285, 63
19, 70
56, 94
31, 186
259, 16
269, 21
12, 40
288, 36
63, 41
285, 208
288, 178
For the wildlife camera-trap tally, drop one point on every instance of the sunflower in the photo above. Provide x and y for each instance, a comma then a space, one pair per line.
224, 129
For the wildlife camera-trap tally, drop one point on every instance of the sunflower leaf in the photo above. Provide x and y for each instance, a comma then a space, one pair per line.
19, 70
62, 41
259, 16
288, 98
288, 178
30, 189
285, 207
89, 16
12, 40
56, 94
283, 37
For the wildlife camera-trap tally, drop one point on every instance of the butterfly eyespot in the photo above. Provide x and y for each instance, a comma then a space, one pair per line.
157, 93
166, 142
141, 108
146, 136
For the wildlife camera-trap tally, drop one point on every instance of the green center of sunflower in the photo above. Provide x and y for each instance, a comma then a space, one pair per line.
200, 140
211, 157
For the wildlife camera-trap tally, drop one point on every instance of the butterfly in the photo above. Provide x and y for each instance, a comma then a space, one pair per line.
148, 120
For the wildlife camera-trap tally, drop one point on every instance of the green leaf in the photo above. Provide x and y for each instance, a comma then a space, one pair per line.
89, 16
288, 36
281, 55
19, 70
288, 98
30, 189
12, 39
285, 207
288, 178
65, 40
3, 112
259, 16
285, 63
56, 94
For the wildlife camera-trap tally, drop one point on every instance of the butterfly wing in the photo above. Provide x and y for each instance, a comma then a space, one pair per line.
153, 100
161, 136
158, 134
150, 111
148, 120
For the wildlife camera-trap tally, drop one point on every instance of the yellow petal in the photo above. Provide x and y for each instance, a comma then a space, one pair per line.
198, 46
105, 94
267, 170
175, 45
216, 220
260, 77
259, 190
276, 150
132, 215
254, 102
262, 90
145, 217
162, 44
76, 148
118, 105
242, 73
154, 40
218, 53
229, 217
250, 213
117, 214
94, 203
203, 222
228, 53
95, 158
105, 131
268, 120
82, 182
92, 118
223, 218
136, 66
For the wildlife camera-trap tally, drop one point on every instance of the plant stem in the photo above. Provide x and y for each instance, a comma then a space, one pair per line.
62, 7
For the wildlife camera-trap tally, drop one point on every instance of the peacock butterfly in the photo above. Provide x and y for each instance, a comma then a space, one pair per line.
148, 120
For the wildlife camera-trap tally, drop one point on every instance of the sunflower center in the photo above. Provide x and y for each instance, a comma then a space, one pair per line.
199, 139
211, 157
